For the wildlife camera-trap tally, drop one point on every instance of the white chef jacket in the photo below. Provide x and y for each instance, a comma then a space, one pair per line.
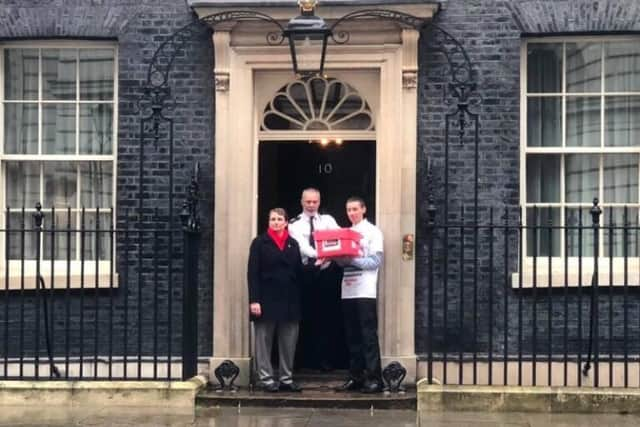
360, 279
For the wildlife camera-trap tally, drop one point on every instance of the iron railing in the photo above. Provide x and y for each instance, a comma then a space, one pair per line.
89, 299
514, 298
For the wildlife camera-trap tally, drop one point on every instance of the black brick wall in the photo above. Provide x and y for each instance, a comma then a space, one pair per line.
489, 29
491, 32
138, 27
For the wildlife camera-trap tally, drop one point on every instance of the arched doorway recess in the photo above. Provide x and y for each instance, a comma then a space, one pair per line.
318, 132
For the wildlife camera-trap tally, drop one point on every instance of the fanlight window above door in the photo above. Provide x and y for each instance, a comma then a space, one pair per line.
317, 104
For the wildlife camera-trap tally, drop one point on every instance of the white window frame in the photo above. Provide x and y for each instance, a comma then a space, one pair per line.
609, 268
106, 275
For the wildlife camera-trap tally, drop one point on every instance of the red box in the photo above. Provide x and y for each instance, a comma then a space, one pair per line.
341, 242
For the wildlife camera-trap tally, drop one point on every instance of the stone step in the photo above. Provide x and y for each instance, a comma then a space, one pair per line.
317, 393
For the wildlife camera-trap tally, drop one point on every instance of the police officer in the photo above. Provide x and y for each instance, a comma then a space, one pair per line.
319, 282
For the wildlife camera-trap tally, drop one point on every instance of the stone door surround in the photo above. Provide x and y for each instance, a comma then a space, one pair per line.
383, 49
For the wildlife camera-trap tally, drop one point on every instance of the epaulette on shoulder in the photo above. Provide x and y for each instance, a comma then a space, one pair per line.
292, 220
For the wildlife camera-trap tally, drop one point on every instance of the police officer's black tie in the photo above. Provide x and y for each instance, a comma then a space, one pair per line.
312, 241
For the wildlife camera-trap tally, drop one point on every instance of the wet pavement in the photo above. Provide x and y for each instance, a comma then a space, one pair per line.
282, 417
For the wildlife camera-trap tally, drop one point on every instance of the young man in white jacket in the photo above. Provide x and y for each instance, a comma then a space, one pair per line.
359, 307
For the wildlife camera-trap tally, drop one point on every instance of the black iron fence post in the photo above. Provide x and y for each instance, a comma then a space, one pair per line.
593, 329
38, 218
191, 233
431, 213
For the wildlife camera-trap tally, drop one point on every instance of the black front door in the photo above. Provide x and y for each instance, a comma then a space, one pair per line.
338, 171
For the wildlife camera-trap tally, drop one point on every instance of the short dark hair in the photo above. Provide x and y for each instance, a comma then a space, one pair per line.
279, 211
357, 199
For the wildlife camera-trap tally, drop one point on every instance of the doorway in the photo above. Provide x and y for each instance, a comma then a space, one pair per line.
338, 171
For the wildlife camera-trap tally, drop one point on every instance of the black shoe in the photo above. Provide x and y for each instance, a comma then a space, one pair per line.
349, 385
292, 386
271, 387
371, 387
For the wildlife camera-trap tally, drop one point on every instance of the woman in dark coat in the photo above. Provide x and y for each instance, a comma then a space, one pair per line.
274, 300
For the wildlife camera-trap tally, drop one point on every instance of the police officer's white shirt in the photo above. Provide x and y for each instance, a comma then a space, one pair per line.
360, 279
301, 228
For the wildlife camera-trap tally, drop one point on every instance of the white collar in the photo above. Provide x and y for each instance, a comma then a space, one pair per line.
307, 216
360, 224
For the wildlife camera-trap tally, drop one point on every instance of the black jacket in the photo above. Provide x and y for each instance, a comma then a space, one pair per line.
274, 278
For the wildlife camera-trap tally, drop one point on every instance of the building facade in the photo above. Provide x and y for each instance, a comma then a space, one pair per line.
554, 87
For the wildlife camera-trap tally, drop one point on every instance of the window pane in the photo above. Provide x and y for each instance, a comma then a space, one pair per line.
615, 238
544, 67
60, 184
97, 184
59, 74
96, 128
543, 178
21, 74
581, 177
544, 122
579, 232
583, 122
23, 184
621, 178
58, 129
21, 128
287, 116
62, 241
96, 74
541, 236
622, 115
97, 240
584, 67
622, 66
22, 245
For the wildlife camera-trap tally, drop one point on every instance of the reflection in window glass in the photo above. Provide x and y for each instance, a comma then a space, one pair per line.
97, 238
618, 241
584, 67
581, 177
542, 238
96, 74
543, 178
620, 178
59, 129
21, 128
622, 66
21, 74
544, 122
60, 184
622, 121
22, 245
583, 122
59, 74
96, 129
97, 184
62, 244
544, 67
579, 236
24, 190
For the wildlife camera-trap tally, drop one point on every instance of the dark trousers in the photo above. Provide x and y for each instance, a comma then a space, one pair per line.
321, 326
361, 330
